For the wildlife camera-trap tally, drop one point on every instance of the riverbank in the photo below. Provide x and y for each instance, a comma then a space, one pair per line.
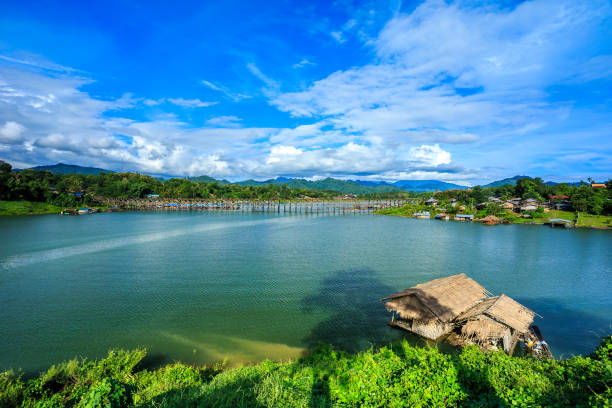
27, 208
398, 375
578, 220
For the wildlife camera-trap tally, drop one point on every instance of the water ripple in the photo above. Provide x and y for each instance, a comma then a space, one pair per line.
107, 244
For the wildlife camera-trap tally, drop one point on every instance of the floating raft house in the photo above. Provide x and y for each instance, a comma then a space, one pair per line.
459, 307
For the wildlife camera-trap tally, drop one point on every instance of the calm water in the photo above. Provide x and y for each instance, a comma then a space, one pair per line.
202, 287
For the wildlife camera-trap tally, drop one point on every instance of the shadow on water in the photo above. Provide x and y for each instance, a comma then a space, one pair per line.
568, 331
358, 319
153, 361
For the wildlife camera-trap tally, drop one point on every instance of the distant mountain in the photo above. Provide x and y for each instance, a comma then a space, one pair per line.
62, 168
208, 179
345, 186
512, 181
419, 186
341, 186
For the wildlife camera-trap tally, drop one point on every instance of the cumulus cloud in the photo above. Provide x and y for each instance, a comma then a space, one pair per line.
451, 73
11, 132
448, 84
430, 155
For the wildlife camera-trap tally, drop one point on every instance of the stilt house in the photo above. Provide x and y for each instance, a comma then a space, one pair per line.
460, 305
429, 309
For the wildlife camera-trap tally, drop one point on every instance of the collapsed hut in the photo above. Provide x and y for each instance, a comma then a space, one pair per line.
491, 220
496, 321
429, 309
461, 308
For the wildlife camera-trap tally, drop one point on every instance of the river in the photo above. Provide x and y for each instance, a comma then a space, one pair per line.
201, 287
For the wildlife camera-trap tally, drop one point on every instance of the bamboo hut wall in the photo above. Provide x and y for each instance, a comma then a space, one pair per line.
431, 329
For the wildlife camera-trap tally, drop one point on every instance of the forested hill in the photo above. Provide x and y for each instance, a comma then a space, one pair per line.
507, 181
512, 182
419, 186
208, 179
327, 184
341, 186
62, 168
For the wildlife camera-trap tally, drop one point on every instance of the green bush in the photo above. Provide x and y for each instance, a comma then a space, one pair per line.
399, 375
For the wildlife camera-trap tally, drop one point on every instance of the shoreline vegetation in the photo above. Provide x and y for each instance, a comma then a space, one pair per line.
397, 375
529, 201
578, 220
23, 207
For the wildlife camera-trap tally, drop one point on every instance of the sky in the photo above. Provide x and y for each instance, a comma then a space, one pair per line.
465, 91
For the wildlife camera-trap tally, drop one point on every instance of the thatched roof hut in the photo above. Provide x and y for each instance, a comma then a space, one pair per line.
429, 308
436, 308
505, 310
496, 320
490, 220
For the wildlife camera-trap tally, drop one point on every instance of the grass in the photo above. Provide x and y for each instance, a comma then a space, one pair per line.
27, 208
396, 376
594, 221
406, 210
566, 215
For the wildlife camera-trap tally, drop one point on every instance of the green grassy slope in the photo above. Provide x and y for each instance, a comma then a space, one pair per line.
398, 376
27, 208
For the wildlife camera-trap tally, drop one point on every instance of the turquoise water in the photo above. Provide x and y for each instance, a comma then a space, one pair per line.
204, 286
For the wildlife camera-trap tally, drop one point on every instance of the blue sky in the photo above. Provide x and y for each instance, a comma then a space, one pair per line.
457, 91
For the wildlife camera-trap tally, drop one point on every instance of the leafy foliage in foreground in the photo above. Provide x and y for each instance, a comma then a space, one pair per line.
396, 376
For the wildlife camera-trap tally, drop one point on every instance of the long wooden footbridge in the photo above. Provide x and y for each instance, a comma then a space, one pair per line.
265, 206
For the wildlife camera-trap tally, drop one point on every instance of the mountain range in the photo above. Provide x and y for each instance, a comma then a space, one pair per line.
341, 186
63, 168
512, 181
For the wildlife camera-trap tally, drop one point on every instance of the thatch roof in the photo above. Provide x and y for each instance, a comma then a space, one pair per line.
504, 310
490, 218
484, 329
444, 298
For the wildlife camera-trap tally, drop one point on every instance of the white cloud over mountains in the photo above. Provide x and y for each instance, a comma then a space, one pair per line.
443, 79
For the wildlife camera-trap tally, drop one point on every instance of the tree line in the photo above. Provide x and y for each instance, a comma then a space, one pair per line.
60, 189
71, 189
581, 197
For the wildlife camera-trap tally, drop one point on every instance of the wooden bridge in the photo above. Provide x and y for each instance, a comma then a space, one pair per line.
265, 206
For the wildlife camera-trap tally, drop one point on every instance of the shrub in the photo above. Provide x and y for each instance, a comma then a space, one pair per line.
397, 376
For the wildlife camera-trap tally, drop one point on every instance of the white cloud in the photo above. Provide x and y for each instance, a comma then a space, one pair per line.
303, 63
11, 132
225, 91
269, 82
37, 62
154, 102
280, 154
338, 36
430, 155
190, 103
449, 85
353, 159
458, 74
224, 121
